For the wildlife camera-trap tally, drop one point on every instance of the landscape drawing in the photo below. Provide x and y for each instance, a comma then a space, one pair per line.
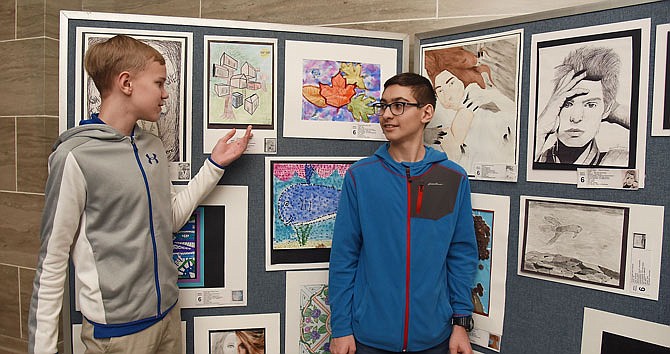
574, 241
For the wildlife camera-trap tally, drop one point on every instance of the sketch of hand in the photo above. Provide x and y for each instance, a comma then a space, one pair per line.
547, 122
225, 152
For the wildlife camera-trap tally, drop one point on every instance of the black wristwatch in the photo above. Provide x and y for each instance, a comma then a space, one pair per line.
464, 321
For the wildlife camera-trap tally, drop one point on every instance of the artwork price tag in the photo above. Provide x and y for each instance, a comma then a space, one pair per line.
607, 178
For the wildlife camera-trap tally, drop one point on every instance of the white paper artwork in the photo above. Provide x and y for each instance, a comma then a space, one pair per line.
174, 124
660, 122
207, 328
234, 293
307, 312
477, 81
606, 246
606, 333
491, 217
330, 87
588, 100
240, 89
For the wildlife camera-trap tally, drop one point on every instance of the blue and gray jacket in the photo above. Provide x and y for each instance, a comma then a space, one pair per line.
404, 252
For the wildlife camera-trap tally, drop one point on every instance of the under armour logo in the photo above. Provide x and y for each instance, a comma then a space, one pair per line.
152, 159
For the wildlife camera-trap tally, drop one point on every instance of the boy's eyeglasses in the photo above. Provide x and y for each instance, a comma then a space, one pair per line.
397, 108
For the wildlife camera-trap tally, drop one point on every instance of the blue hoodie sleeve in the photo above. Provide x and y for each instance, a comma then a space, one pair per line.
463, 255
344, 255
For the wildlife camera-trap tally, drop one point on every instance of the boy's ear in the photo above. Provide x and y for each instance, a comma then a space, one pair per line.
428, 113
124, 83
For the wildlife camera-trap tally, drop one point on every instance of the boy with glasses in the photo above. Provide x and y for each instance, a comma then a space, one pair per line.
404, 251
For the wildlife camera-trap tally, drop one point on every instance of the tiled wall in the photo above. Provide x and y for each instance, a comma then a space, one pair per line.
29, 96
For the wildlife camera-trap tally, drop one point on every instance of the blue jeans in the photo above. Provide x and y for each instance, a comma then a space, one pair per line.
442, 348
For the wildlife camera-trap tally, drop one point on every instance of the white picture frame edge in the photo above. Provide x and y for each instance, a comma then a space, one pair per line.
661, 51
597, 321
203, 324
236, 200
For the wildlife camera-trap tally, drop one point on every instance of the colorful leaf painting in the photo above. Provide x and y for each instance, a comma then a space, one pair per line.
331, 85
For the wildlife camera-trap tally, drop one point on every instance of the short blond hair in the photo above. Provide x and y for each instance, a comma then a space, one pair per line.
104, 60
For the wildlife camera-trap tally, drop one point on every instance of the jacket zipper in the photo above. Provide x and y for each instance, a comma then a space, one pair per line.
151, 224
408, 253
419, 199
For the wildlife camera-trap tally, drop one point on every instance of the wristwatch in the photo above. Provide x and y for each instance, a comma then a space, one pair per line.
464, 321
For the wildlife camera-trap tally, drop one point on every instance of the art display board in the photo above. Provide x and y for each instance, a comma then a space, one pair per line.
491, 217
210, 332
554, 307
610, 333
226, 37
307, 312
588, 88
605, 246
301, 199
660, 121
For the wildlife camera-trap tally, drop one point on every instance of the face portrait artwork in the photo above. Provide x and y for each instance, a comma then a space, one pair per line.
238, 342
583, 115
475, 83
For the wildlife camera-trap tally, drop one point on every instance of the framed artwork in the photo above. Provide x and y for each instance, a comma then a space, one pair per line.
609, 333
307, 313
490, 214
301, 198
213, 266
330, 87
258, 334
660, 123
188, 251
174, 124
477, 81
588, 100
592, 244
240, 81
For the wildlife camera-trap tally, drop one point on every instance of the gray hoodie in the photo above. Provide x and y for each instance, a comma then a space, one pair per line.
111, 209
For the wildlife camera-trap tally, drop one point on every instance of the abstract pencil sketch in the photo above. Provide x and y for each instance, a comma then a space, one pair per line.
188, 251
481, 290
241, 83
476, 82
315, 331
338, 91
248, 341
580, 242
304, 202
171, 124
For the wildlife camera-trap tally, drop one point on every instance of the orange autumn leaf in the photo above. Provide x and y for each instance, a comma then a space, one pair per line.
312, 95
340, 93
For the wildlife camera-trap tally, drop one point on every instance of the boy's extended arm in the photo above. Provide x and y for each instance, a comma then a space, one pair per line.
344, 260
65, 197
223, 154
462, 256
